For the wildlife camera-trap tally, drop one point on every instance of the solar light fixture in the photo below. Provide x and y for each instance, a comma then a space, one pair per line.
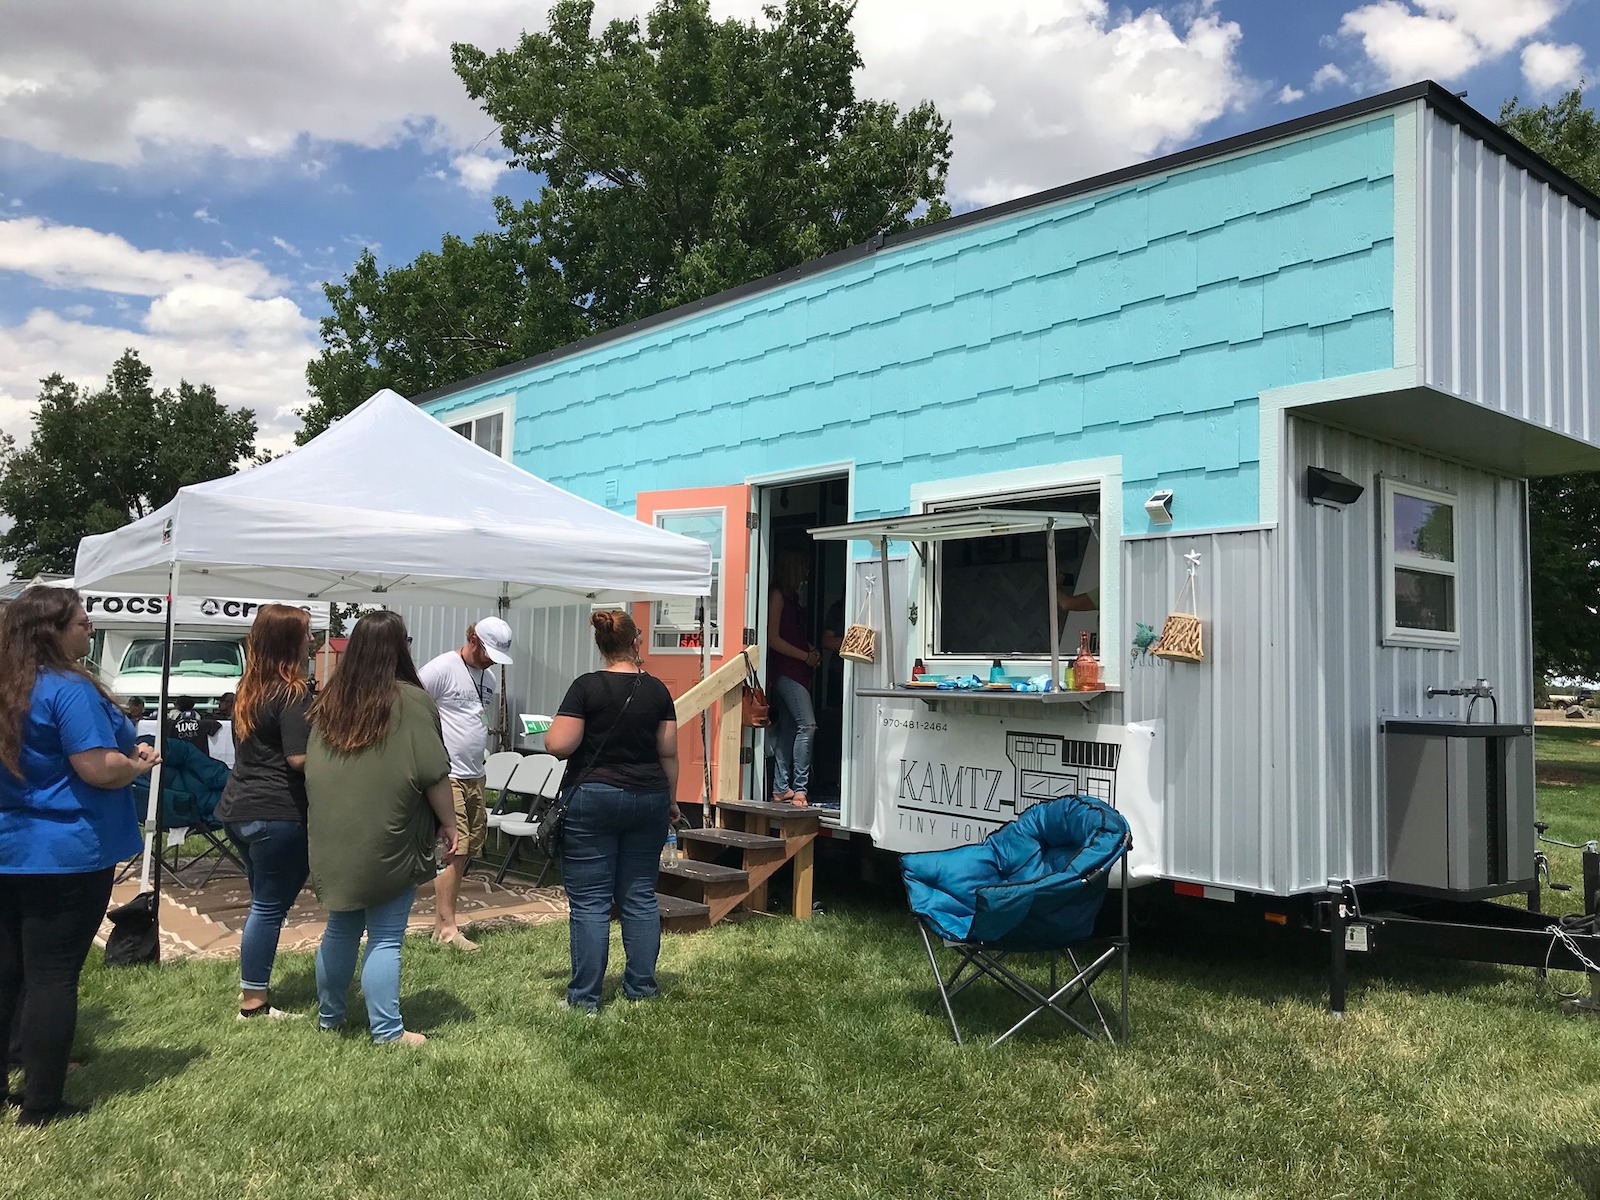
1159, 506
1331, 488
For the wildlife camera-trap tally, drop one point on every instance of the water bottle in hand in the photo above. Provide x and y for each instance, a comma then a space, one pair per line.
669, 851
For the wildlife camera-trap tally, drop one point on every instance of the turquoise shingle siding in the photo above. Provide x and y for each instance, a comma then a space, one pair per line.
1142, 322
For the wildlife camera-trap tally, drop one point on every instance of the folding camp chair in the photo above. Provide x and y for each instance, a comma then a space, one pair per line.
194, 785
1036, 886
537, 777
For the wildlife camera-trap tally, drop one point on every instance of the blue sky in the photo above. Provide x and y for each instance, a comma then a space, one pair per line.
181, 176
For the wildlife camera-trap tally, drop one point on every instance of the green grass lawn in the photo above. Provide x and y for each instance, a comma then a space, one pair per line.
794, 1060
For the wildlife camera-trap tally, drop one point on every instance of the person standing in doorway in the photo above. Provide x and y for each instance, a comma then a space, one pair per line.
462, 684
790, 660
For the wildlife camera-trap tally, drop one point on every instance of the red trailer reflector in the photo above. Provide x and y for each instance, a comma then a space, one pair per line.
1189, 889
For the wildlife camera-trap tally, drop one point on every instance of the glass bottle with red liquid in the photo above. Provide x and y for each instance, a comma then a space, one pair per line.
1086, 667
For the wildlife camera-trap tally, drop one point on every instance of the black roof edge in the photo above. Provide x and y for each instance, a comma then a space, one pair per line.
1445, 102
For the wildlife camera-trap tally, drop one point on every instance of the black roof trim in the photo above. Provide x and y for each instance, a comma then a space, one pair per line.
1446, 103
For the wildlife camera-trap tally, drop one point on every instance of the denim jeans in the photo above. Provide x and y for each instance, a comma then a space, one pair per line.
611, 853
794, 724
385, 925
274, 857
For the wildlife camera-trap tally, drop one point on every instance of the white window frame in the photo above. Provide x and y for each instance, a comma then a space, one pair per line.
1104, 474
505, 407
1398, 635
714, 618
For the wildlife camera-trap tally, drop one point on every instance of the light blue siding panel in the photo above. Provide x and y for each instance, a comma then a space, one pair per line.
1143, 323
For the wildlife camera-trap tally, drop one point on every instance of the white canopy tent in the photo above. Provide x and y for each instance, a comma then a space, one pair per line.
386, 506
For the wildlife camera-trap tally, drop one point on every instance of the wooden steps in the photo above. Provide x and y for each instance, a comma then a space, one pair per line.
682, 916
765, 836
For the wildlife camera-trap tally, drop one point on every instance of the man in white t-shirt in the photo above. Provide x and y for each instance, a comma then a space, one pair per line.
462, 684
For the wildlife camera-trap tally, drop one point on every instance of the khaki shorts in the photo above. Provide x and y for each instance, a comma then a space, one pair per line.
471, 820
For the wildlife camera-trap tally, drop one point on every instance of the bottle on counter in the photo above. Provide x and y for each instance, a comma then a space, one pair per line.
1086, 667
918, 670
997, 673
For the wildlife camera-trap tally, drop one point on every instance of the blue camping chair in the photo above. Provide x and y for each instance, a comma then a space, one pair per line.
189, 800
1035, 886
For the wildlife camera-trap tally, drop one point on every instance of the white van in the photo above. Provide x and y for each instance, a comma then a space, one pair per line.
207, 644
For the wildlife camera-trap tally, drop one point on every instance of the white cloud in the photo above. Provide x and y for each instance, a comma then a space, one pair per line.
142, 83
1407, 40
1551, 68
286, 246
1328, 76
223, 321
203, 215
478, 173
1289, 95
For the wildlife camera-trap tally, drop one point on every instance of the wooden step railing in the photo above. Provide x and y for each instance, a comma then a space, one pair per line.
741, 825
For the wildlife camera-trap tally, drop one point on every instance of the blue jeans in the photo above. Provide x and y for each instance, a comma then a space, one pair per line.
385, 925
274, 857
794, 724
611, 853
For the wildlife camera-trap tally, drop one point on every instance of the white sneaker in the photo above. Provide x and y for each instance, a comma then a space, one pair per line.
269, 1013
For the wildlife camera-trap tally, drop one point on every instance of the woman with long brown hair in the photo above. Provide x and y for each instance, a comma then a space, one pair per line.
67, 758
619, 732
378, 785
263, 808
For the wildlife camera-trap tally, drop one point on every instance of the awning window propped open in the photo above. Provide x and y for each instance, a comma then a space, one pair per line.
955, 525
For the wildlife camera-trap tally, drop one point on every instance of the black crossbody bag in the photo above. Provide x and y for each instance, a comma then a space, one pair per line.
552, 814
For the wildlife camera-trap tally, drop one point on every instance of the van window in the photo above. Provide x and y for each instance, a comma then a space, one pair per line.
190, 656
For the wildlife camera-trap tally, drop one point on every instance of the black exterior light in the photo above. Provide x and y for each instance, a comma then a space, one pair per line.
1331, 488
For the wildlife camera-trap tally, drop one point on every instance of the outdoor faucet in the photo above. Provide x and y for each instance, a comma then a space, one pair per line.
1477, 689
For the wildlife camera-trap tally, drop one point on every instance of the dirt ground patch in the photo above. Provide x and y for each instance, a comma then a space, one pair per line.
1567, 776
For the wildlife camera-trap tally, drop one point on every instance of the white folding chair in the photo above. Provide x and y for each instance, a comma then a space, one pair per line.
537, 777
497, 772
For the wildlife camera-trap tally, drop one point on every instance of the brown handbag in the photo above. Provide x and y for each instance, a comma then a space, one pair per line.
755, 710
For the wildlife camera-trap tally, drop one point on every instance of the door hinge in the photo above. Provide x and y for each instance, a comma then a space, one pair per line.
747, 754
749, 635
752, 521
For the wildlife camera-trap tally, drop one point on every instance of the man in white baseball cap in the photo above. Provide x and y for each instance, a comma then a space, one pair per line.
462, 684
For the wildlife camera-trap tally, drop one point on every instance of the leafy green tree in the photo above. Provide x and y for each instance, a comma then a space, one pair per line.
98, 459
1564, 510
679, 159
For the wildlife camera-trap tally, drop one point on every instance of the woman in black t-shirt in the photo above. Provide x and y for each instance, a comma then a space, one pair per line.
619, 732
263, 807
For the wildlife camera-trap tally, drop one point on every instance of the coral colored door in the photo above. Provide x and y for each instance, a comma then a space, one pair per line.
719, 516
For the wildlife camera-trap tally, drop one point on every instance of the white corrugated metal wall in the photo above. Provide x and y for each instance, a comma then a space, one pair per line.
1340, 681
1510, 286
550, 648
1221, 803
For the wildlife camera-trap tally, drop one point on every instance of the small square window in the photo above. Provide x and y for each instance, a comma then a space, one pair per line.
675, 624
1420, 566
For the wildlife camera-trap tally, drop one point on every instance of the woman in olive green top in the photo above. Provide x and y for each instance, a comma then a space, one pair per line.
378, 796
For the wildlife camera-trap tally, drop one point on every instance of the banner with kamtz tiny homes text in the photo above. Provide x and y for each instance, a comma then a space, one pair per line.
949, 778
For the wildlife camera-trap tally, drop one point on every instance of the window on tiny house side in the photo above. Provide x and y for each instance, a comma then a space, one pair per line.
675, 623
993, 596
1419, 566
487, 431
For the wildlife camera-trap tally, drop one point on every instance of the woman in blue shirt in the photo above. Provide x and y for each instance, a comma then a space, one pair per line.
67, 758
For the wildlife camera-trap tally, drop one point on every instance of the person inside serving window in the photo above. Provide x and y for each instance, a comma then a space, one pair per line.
790, 660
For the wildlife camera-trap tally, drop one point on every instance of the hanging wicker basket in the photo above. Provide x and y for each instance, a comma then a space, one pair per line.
860, 644
1181, 638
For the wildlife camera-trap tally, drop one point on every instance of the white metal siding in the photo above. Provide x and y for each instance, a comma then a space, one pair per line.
1510, 289
1340, 681
1221, 805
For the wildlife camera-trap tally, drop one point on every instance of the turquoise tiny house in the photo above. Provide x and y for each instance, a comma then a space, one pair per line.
1392, 292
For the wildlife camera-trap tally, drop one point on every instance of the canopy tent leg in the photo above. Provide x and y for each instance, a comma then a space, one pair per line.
705, 716
150, 869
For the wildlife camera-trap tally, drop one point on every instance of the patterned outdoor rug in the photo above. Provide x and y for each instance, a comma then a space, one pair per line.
205, 921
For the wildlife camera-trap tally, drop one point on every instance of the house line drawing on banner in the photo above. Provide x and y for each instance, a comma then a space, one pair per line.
1049, 765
